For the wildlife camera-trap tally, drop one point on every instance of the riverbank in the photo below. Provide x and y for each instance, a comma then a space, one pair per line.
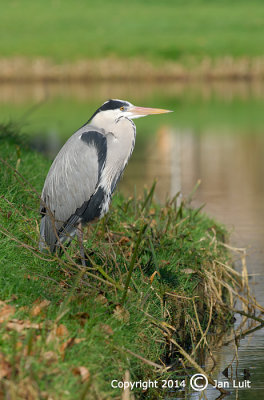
21, 69
64, 334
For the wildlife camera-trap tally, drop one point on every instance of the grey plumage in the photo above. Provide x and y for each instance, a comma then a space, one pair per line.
84, 174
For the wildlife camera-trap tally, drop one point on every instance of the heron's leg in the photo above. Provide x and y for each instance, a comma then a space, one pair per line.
80, 240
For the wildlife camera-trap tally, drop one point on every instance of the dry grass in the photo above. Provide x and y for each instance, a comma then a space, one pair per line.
115, 69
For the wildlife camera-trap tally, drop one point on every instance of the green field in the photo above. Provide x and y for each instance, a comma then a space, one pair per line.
170, 30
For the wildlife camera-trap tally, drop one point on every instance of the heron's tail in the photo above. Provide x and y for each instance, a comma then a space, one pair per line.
53, 234
48, 237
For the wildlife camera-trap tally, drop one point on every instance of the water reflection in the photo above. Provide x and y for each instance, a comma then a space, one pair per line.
215, 135
20, 92
231, 167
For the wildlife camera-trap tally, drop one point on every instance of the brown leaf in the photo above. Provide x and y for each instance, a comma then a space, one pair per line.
82, 317
101, 299
164, 262
123, 240
61, 330
107, 329
46, 395
19, 325
69, 343
27, 389
188, 271
36, 310
24, 309
6, 311
66, 345
153, 223
5, 368
19, 345
153, 276
121, 313
79, 340
52, 337
83, 372
50, 357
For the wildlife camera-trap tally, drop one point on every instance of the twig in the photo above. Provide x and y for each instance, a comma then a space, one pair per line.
251, 316
194, 364
203, 337
105, 275
243, 334
146, 361
132, 263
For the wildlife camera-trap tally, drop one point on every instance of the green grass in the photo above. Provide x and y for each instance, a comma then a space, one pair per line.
172, 30
177, 245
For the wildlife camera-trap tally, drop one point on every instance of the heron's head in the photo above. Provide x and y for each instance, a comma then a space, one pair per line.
112, 110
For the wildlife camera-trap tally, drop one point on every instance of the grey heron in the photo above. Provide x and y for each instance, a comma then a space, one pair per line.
81, 180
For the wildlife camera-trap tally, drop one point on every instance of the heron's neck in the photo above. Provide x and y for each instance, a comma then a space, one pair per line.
103, 122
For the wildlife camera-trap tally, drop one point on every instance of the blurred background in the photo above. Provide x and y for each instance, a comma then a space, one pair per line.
60, 60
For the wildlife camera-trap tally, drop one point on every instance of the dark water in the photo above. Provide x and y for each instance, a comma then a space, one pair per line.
215, 135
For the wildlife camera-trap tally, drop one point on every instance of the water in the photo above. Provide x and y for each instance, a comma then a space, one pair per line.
216, 135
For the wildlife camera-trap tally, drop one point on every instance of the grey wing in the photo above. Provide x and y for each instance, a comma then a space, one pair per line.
70, 184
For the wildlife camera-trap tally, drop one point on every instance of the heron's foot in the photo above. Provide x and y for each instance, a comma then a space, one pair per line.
84, 259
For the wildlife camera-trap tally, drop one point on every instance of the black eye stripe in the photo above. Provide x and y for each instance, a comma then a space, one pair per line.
110, 105
113, 105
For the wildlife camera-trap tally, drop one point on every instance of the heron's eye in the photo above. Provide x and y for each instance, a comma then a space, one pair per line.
122, 108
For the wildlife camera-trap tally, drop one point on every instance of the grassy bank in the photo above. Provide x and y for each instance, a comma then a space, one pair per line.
67, 332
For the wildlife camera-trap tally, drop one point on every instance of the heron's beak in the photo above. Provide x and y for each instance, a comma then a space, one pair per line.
142, 111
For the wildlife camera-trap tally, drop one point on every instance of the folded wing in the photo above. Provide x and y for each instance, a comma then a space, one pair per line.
70, 184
